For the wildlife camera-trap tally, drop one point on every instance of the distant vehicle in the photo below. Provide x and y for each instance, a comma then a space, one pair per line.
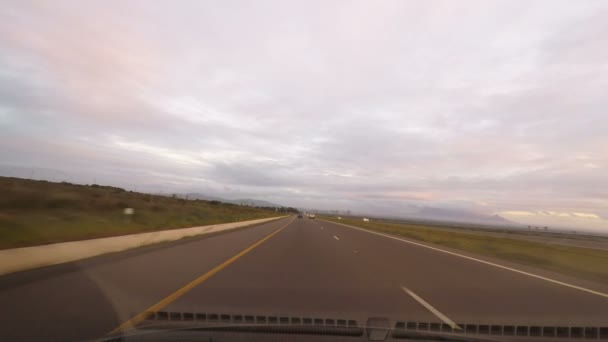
300, 216
339, 218
365, 219
311, 216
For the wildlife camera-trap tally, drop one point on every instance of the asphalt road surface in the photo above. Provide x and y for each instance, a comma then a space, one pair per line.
298, 267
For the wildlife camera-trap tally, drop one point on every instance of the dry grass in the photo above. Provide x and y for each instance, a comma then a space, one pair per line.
40, 212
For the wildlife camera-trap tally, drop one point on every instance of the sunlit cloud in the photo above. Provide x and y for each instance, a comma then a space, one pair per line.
557, 219
164, 153
518, 213
586, 215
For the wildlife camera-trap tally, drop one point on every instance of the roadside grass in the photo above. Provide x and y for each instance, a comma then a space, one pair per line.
537, 232
579, 262
40, 212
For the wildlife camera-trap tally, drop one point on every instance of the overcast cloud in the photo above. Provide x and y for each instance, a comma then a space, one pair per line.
373, 106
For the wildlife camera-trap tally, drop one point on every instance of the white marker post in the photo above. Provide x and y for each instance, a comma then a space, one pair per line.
128, 213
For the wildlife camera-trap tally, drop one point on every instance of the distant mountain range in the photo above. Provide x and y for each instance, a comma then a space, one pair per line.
457, 215
254, 202
240, 201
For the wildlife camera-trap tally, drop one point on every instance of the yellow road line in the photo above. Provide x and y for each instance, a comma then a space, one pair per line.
175, 295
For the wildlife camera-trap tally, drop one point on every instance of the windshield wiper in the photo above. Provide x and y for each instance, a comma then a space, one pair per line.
374, 329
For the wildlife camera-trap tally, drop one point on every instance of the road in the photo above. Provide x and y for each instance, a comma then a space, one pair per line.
297, 267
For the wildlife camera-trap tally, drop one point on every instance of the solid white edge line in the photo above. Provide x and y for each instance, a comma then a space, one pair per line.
429, 307
337, 238
601, 294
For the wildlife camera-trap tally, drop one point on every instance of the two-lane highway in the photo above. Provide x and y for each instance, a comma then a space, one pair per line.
298, 267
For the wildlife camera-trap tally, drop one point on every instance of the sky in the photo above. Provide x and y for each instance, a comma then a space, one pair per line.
494, 107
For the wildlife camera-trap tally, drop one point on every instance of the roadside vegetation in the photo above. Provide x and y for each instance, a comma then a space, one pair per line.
591, 264
40, 212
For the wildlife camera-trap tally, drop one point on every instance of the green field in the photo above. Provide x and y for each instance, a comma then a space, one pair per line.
40, 212
579, 262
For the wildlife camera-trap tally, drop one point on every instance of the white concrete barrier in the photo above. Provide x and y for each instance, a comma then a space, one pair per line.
20, 259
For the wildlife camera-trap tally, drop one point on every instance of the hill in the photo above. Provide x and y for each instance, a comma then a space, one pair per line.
255, 203
34, 212
455, 215
240, 201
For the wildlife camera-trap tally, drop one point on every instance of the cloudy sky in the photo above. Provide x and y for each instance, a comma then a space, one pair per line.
373, 106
